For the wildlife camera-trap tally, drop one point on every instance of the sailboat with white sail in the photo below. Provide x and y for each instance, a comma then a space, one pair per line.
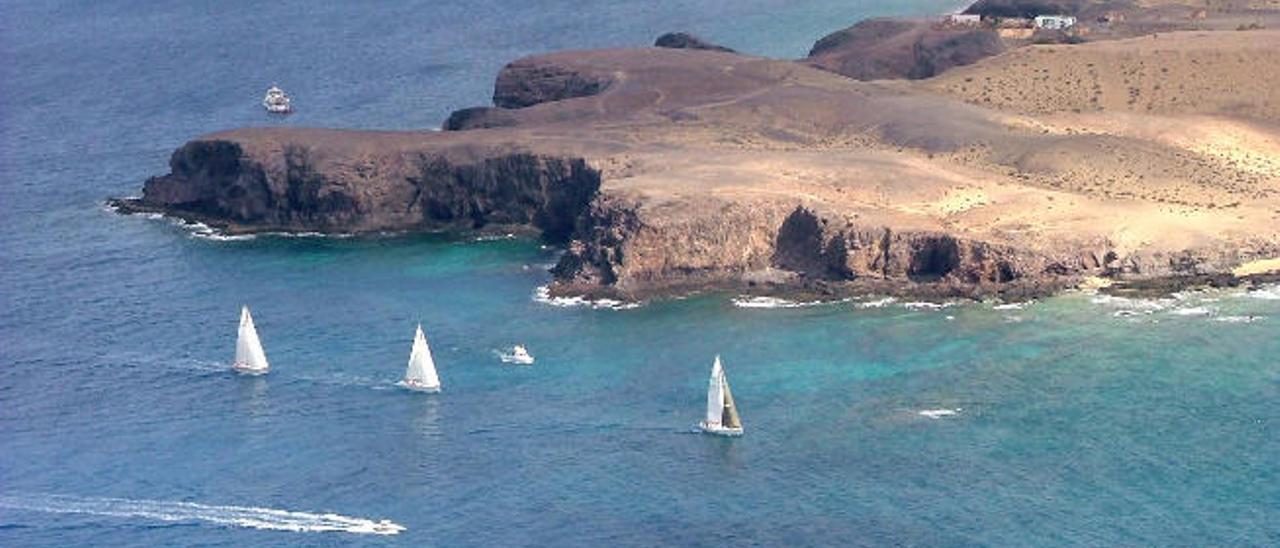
722, 414
421, 376
250, 359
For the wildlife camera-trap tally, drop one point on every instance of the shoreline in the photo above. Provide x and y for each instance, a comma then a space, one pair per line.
815, 291
664, 172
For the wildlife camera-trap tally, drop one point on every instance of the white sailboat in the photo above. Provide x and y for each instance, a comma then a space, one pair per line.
722, 414
250, 359
421, 376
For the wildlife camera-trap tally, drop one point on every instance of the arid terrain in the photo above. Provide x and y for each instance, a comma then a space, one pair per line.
663, 170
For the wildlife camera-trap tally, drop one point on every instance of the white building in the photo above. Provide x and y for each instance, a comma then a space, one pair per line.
1055, 22
964, 20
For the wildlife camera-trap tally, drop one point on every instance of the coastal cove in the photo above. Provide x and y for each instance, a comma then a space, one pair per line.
910, 410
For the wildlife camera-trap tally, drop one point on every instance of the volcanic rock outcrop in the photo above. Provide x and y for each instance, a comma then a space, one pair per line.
304, 184
900, 48
684, 40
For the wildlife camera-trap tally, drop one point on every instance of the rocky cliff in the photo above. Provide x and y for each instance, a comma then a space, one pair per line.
296, 187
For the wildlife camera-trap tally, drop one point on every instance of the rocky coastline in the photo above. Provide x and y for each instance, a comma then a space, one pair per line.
690, 167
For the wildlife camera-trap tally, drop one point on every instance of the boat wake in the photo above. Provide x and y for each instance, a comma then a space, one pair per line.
543, 295
172, 511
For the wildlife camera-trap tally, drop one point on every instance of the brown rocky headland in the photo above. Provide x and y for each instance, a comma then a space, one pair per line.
969, 165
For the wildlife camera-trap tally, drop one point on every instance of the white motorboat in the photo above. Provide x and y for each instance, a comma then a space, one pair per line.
277, 101
518, 355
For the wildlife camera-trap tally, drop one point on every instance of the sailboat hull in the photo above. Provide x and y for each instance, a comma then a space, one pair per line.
418, 387
719, 430
246, 369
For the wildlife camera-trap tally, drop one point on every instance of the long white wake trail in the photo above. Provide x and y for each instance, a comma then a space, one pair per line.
236, 516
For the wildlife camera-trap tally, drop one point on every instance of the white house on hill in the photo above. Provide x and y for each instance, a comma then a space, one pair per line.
1055, 22
964, 20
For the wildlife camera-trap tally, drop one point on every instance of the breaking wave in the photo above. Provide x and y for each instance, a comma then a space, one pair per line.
1238, 319
543, 295
1192, 311
878, 303
1270, 293
233, 516
921, 305
744, 301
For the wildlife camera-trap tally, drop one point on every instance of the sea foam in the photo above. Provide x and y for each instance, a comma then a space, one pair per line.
234, 516
926, 305
1270, 293
744, 301
878, 303
1192, 311
543, 295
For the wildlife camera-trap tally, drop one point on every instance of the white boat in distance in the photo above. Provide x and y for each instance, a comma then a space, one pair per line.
518, 355
722, 414
421, 376
277, 101
250, 359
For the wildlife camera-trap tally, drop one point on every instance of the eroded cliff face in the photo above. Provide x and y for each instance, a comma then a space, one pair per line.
296, 188
617, 253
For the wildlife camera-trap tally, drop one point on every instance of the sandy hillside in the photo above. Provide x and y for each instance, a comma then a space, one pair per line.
1227, 73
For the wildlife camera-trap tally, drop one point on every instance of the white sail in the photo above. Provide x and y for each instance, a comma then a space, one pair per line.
722, 413
249, 354
715, 395
421, 371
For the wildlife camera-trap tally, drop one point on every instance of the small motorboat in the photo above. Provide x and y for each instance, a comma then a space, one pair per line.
518, 355
387, 527
277, 101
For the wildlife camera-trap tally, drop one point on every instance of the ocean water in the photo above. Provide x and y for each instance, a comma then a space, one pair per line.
1076, 420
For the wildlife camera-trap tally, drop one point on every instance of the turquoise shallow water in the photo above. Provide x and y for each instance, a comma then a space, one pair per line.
1081, 420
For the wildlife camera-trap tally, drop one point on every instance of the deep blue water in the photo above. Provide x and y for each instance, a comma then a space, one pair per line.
1082, 421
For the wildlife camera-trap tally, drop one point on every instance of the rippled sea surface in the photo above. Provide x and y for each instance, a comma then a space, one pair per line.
1077, 420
